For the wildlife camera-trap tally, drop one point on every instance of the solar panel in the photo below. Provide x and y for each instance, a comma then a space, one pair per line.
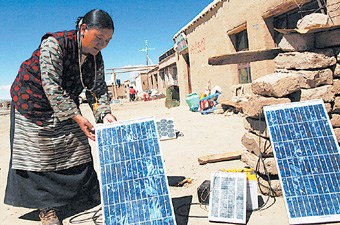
228, 197
134, 186
166, 128
307, 157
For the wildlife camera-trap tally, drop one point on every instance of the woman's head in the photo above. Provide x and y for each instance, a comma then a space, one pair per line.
96, 29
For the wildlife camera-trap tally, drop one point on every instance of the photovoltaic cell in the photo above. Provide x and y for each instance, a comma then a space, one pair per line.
307, 157
133, 183
227, 199
166, 128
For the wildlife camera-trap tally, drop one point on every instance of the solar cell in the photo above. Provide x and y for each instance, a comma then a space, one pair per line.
307, 157
228, 195
166, 128
133, 183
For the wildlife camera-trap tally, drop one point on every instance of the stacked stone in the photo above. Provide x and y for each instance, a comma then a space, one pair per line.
299, 76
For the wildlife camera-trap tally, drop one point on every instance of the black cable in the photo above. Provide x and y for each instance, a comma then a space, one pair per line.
262, 207
93, 218
189, 215
257, 170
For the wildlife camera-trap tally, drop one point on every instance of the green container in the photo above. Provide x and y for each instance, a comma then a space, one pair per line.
193, 100
172, 96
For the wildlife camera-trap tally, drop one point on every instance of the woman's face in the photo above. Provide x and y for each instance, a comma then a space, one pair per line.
94, 40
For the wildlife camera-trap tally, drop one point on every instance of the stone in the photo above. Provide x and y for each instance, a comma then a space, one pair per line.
326, 93
256, 126
336, 132
218, 111
275, 185
286, 82
328, 107
241, 92
315, 78
253, 106
313, 20
337, 52
336, 86
218, 106
251, 142
297, 42
320, 58
276, 84
251, 160
336, 106
228, 104
337, 71
335, 120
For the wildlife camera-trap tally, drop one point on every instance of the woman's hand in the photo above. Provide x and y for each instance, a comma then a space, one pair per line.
85, 126
109, 118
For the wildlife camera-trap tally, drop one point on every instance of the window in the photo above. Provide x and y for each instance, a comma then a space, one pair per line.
289, 19
244, 75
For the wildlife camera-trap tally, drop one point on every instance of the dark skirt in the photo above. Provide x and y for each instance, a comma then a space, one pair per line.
52, 189
76, 185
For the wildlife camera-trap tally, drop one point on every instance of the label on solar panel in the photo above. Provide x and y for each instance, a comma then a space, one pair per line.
133, 182
307, 157
228, 197
166, 128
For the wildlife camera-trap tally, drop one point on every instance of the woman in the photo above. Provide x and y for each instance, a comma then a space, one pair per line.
51, 164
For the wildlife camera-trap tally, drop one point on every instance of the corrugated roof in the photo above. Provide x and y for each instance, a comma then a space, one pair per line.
200, 15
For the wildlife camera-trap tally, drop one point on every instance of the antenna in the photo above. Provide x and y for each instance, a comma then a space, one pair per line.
146, 49
147, 61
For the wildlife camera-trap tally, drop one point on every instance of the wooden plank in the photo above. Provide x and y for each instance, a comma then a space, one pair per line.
245, 56
327, 39
219, 157
283, 8
236, 105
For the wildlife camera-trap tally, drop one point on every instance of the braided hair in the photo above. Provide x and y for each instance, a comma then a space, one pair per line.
96, 18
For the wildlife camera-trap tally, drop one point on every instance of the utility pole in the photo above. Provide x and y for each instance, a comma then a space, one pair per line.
146, 49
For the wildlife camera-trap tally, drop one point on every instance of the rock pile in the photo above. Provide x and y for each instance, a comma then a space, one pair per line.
299, 76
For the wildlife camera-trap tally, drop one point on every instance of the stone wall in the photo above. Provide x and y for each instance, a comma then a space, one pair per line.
299, 76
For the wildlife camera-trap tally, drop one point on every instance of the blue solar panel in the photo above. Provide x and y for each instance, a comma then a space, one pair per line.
307, 156
134, 186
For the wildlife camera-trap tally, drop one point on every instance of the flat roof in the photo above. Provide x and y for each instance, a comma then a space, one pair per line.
200, 15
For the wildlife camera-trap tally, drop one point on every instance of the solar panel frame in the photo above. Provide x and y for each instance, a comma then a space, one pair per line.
228, 197
133, 181
307, 157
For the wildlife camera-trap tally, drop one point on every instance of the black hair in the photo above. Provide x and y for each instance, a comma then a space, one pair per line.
96, 18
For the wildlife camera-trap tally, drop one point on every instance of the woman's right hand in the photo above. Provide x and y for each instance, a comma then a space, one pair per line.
85, 126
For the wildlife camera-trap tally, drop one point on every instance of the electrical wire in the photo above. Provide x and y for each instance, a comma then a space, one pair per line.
94, 217
257, 170
193, 216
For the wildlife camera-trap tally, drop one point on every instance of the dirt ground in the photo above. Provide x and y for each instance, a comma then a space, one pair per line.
201, 135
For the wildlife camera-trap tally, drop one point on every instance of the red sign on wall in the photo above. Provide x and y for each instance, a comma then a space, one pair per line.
198, 46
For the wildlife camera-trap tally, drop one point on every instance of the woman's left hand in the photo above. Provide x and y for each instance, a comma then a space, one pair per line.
109, 118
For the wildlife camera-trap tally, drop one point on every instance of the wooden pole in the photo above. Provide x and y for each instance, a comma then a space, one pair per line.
114, 85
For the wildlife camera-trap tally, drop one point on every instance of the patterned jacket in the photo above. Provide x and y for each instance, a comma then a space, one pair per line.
37, 99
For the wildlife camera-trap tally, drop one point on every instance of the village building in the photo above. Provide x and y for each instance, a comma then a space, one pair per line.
227, 27
164, 75
168, 69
